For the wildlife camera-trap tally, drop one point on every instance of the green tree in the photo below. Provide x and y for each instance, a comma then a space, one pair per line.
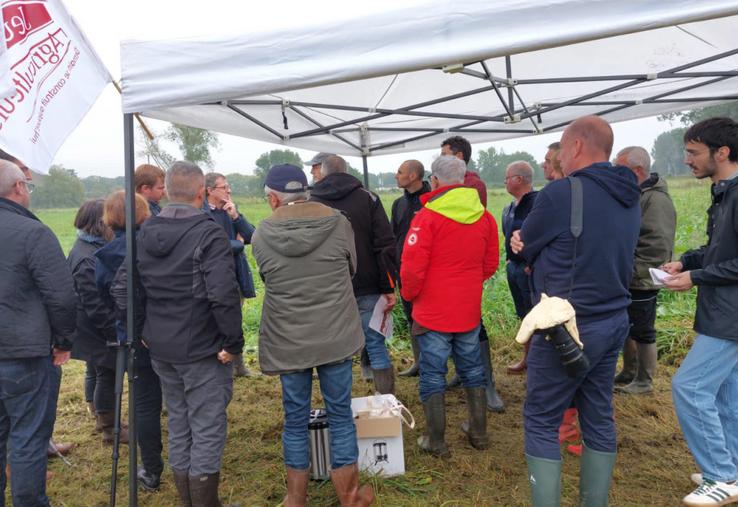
687, 118
271, 158
61, 188
97, 187
153, 152
194, 144
492, 164
668, 153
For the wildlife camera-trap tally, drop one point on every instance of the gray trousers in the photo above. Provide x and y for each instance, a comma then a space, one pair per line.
197, 395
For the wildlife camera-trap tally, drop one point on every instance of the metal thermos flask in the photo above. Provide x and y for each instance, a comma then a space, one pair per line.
320, 449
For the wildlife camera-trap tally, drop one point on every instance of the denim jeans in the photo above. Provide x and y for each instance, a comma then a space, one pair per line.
104, 390
55, 376
90, 381
374, 341
550, 391
435, 350
24, 398
335, 386
705, 393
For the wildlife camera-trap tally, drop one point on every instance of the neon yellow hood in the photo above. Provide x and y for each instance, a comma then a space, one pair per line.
459, 204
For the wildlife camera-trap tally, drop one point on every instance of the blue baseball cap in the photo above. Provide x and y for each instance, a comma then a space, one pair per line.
286, 178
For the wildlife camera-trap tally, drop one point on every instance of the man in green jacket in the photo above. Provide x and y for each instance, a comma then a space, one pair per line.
655, 247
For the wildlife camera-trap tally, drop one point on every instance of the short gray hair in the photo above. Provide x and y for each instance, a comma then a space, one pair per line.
183, 181
448, 169
333, 164
10, 174
212, 178
287, 197
636, 156
521, 168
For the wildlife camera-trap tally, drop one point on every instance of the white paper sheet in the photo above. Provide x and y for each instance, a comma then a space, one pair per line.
381, 320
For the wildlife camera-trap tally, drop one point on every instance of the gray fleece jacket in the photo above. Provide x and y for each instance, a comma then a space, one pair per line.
306, 257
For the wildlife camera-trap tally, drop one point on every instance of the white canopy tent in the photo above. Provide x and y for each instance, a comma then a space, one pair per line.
402, 81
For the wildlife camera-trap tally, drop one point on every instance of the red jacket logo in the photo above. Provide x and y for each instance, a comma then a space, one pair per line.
22, 19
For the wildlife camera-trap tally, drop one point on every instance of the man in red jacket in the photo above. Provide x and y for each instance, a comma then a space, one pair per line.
450, 249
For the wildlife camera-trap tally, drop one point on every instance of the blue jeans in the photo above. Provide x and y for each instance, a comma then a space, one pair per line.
374, 342
24, 397
335, 386
705, 392
436, 348
550, 391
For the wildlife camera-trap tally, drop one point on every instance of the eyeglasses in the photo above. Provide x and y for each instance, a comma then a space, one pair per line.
30, 187
227, 188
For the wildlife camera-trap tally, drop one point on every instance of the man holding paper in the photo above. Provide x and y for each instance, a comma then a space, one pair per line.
705, 388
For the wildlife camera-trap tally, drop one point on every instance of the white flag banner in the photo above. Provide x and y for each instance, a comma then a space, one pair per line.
7, 87
57, 77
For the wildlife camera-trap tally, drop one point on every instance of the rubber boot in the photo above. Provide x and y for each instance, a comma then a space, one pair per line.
345, 480
643, 381
477, 422
595, 477
297, 487
384, 380
522, 365
630, 359
366, 369
569, 429
414, 369
435, 421
544, 476
494, 402
182, 483
204, 491
239, 367
106, 421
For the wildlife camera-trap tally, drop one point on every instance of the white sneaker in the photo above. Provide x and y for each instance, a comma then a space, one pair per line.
712, 493
696, 478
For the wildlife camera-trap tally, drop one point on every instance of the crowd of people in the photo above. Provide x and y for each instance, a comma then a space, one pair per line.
330, 259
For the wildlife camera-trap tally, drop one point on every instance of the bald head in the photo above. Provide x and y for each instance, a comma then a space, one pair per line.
585, 141
410, 175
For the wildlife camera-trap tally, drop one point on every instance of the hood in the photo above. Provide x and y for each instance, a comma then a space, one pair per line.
159, 235
455, 202
112, 254
654, 182
335, 186
297, 230
423, 190
618, 181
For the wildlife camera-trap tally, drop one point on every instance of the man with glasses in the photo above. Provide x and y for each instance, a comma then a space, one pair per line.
38, 310
519, 184
223, 210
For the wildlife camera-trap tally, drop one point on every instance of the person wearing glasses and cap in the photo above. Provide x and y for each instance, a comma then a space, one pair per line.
316, 163
38, 313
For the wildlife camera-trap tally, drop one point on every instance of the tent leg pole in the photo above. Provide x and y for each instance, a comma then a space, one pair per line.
366, 171
129, 160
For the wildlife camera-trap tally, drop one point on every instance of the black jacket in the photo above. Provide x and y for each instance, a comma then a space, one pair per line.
403, 210
95, 318
714, 267
604, 251
513, 217
375, 245
37, 301
191, 303
232, 229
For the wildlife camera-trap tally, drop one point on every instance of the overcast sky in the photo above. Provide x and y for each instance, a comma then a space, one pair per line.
96, 147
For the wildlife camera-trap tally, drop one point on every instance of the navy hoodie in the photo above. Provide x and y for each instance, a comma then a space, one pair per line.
605, 249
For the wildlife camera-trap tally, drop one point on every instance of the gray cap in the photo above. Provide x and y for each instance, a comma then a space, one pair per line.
319, 158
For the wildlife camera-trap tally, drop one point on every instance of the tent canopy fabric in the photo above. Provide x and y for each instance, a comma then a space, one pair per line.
404, 80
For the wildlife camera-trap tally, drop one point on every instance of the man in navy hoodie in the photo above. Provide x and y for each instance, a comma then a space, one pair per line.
593, 273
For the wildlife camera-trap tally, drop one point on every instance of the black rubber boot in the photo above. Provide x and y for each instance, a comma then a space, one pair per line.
182, 483
494, 402
435, 421
204, 491
476, 405
630, 363
384, 380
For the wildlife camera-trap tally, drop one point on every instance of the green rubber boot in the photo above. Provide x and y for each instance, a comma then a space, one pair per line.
595, 477
544, 476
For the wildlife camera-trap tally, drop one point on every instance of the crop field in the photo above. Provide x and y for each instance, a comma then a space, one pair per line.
653, 462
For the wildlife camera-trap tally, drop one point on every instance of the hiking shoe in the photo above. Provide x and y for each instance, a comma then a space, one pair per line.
711, 493
149, 482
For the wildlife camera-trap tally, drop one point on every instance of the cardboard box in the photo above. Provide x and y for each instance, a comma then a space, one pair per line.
379, 437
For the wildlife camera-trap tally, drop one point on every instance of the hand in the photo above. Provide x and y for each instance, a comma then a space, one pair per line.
230, 208
679, 282
225, 357
391, 302
672, 267
60, 356
516, 243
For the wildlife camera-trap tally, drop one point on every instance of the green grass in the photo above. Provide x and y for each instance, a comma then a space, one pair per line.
653, 462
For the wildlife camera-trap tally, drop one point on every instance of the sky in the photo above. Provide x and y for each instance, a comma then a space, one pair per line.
96, 146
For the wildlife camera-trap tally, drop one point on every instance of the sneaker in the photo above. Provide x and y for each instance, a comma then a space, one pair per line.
149, 482
696, 478
711, 493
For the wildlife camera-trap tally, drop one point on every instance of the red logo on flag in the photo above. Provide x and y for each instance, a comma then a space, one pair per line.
22, 19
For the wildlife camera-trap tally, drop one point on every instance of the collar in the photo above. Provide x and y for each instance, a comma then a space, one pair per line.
17, 208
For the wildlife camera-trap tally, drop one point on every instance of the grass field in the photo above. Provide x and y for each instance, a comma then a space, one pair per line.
653, 462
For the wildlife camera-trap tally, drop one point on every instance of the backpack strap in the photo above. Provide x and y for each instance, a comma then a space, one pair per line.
575, 223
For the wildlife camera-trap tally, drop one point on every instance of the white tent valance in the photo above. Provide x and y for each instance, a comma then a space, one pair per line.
404, 80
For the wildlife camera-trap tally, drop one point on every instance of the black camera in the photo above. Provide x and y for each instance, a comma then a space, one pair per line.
571, 356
